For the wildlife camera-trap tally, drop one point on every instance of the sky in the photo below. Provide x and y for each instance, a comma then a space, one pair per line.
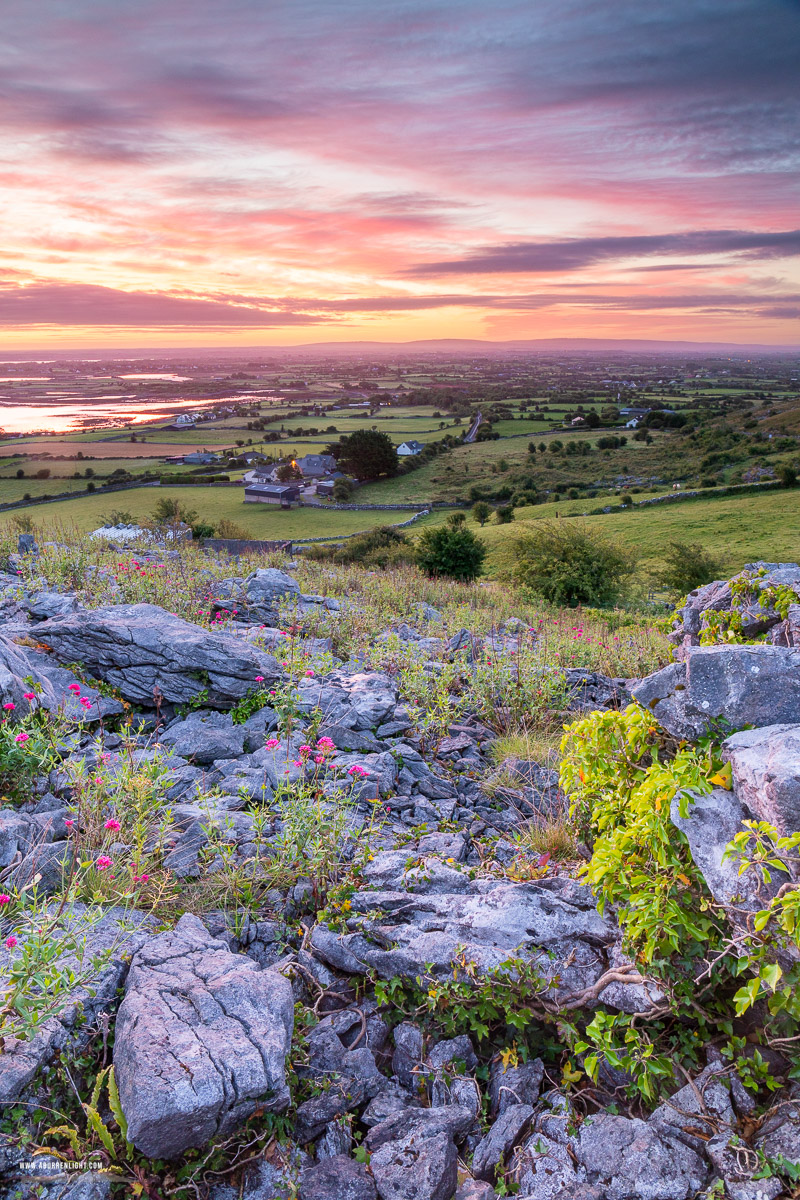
274, 172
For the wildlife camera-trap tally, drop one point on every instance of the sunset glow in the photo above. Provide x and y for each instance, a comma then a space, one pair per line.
257, 172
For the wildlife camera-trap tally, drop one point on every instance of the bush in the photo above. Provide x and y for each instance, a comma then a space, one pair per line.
451, 550
118, 516
709, 482
569, 564
505, 515
383, 546
342, 490
787, 476
686, 566
229, 529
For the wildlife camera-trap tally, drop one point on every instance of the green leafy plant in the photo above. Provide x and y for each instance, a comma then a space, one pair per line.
567, 563
453, 551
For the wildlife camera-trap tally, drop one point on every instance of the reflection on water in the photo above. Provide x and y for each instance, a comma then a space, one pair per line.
83, 413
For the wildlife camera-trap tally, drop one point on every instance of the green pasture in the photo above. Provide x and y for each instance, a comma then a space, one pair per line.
738, 529
263, 521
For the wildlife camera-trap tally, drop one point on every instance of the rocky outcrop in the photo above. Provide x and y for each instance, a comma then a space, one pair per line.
144, 651
765, 766
727, 686
202, 1037
436, 920
742, 596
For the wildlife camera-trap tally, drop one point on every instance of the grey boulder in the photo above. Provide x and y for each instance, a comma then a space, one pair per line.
734, 685
413, 1154
140, 648
201, 1041
204, 736
552, 926
337, 1178
765, 765
501, 1138
711, 822
631, 1160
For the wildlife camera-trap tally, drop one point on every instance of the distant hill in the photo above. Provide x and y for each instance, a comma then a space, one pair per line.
421, 346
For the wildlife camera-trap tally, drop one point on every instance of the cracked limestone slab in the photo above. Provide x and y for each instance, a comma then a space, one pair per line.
202, 1037
139, 647
552, 926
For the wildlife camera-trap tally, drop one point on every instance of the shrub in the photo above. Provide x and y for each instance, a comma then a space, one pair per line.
686, 566
170, 511
451, 550
567, 563
229, 529
380, 547
504, 515
787, 476
118, 516
342, 490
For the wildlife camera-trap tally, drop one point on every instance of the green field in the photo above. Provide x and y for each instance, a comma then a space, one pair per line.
262, 520
737, 530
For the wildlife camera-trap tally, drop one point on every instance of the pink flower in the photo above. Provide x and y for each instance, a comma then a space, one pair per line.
271, 743
74, 687
86, 702
296, 762
5, 898
309, 672
259, 678
319, 758
30, 695
112, 824
102, 862
273, 692
21, 737
305, 750
325, 743
143, 878
69, 824
11, 942
9, 706
357, 772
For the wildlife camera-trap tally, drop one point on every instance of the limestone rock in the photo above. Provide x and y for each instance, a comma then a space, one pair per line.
139, 647
201, 1039
738, 685
766, 773
205, 736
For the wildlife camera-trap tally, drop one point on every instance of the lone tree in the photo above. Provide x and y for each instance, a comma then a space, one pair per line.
481, 512
452, 550
365, 454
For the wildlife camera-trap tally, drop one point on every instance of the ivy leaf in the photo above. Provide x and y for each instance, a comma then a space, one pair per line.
724, 777
771, 975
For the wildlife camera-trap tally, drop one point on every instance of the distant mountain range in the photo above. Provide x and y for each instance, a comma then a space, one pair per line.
421, 346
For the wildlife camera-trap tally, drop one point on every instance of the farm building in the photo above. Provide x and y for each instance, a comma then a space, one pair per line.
283, 494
